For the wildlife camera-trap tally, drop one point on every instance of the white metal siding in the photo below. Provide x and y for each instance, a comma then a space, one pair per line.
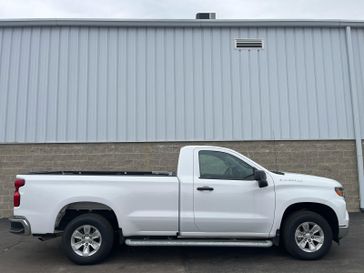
90, 84
358, 50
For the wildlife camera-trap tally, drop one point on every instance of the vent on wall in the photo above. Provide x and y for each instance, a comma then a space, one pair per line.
246, 43
206, 15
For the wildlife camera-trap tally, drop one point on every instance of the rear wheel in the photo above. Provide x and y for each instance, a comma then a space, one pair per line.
88, 239
307, 235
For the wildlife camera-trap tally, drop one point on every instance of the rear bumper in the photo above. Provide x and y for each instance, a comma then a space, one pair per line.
19, 225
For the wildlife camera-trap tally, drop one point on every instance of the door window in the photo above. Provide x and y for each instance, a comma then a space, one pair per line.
220, 165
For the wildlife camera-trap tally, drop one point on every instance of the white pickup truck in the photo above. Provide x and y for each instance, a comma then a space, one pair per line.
218, 198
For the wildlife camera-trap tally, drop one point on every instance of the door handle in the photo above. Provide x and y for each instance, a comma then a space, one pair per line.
205, 188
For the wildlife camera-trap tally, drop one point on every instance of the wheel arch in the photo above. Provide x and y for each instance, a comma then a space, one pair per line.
324, 210
74, 209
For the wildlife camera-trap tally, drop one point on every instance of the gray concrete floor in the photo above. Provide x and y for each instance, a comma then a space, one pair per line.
28, 254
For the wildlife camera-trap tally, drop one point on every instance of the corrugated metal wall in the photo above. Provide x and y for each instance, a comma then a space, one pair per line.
358, 50
78, 84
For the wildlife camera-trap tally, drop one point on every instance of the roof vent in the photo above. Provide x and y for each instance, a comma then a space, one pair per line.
246, 43
206, 15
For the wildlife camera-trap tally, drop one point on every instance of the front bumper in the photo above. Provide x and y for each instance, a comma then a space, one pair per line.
19, 225
343, 231
344, 226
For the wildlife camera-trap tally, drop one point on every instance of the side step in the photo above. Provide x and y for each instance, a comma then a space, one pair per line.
184, 242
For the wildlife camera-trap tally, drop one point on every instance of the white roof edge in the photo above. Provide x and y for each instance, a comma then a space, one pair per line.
178, 23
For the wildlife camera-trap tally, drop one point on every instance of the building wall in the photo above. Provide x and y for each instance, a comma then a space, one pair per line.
335, 159
358, 51
136, 93
139, 84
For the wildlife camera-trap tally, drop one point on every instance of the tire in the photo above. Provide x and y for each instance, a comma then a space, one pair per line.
313, 238
88, 239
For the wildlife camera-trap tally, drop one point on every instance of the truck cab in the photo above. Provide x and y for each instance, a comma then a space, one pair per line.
220, 195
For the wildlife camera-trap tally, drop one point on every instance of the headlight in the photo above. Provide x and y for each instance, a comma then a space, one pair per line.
339, 191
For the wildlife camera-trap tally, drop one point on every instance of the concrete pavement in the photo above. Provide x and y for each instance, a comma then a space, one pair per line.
29, 255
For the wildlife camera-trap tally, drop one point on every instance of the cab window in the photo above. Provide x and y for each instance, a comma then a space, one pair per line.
220, 165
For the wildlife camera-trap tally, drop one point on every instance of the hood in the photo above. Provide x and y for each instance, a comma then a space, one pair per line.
294, 178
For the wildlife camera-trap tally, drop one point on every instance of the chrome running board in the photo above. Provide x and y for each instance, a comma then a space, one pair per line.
184, 242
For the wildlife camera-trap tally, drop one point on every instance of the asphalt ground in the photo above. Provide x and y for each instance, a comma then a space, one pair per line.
28, 254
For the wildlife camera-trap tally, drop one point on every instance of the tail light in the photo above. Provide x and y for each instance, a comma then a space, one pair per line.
18, 183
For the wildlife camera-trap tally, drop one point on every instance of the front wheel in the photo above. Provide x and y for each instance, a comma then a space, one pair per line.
88, 239
307, 235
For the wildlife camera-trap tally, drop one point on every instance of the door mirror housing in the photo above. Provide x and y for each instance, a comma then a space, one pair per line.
261, 177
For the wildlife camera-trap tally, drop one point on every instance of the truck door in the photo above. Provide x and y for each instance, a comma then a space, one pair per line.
227, 199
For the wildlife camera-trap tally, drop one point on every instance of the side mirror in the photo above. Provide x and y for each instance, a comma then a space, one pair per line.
261, 177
